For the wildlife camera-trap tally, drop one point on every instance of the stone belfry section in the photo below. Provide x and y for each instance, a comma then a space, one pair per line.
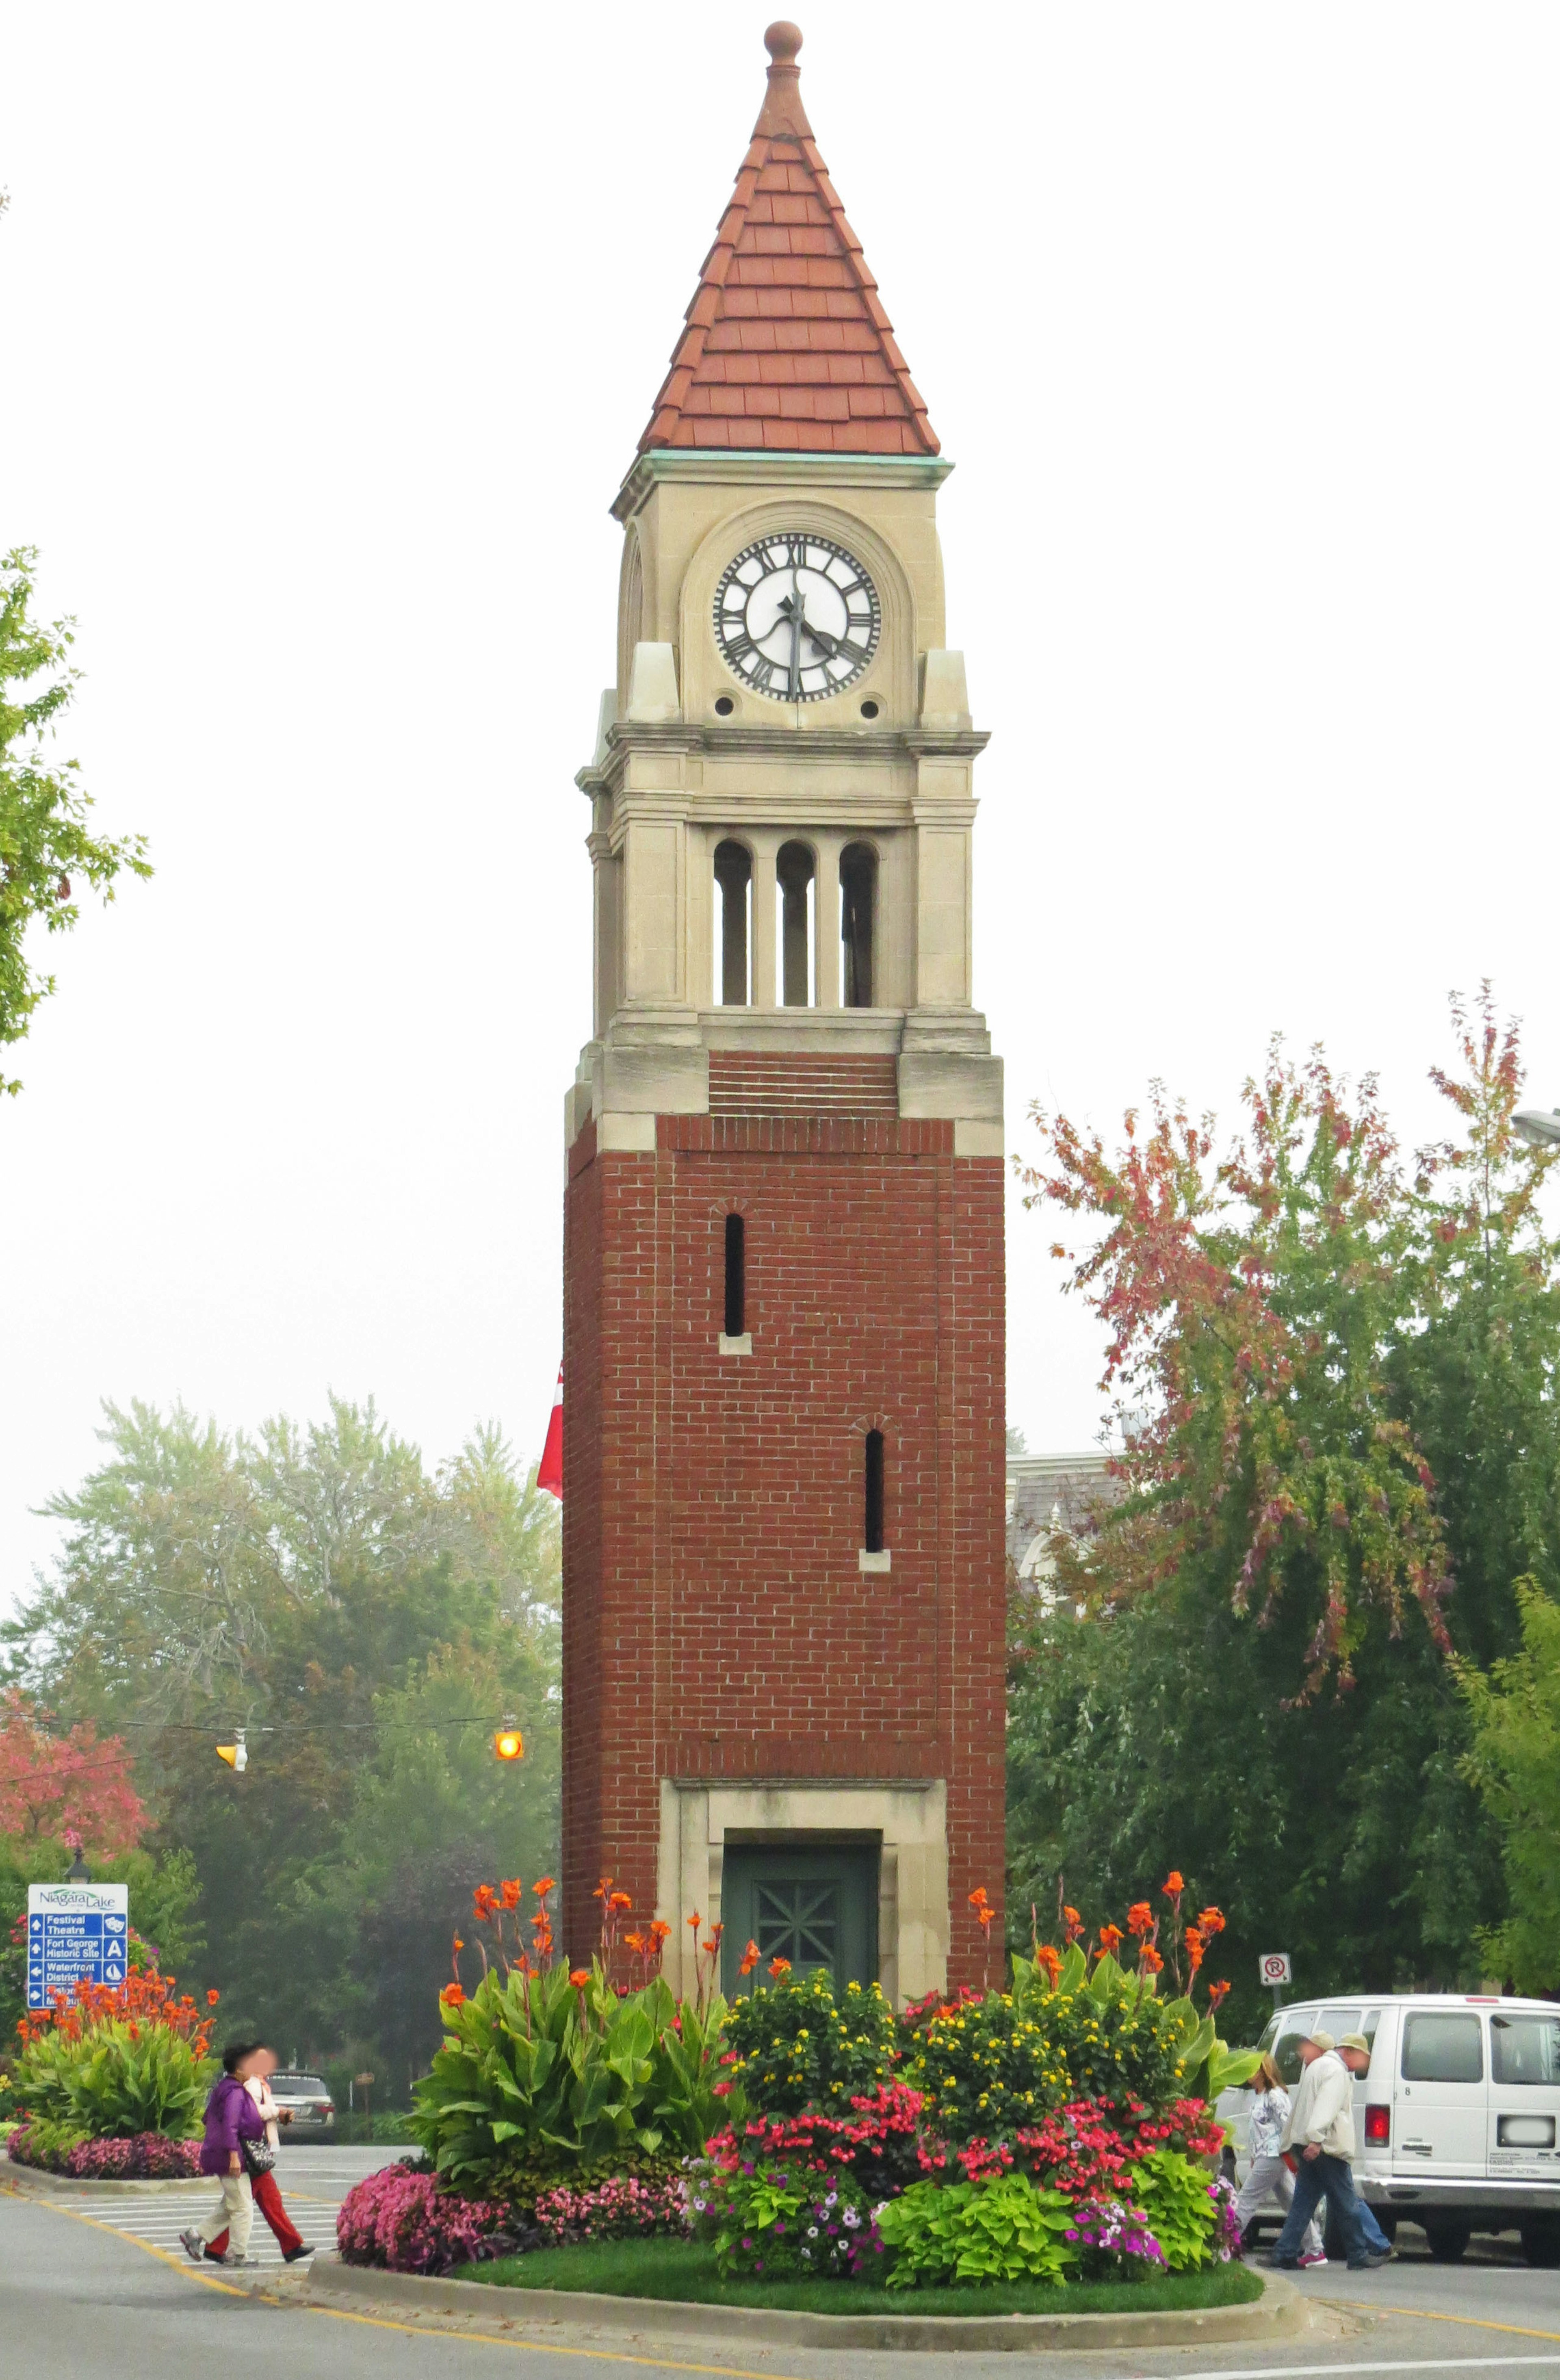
783, 1553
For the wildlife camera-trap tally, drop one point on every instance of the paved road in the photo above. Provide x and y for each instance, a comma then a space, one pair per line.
89, 2296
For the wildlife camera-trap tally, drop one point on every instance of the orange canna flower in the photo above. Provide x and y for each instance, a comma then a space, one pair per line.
1210, 1922
712, 1945
451, 1996
602, 1889
749, 1960
1216, 1992
618, 1901
634, 1942
580, 1975
544, 1883
1194, 1947
778, 1967
1174, 1883
659, 1929
458, 1943
1140, 1918
1149, 1959
695, 1921
977, 1898
211, 1998
1047, 1955
509, 1892
1071, 1914
484, 1900
1111, 1939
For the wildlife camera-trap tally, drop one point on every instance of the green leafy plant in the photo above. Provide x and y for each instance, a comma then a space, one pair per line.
542, 2074
113, 2064
792, 2043
775, 2219
1173, 2195
1003, 2230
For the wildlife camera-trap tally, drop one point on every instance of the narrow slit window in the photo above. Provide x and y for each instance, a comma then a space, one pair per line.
733, 874
794, 881
858, 905
873, 1540
737, 1276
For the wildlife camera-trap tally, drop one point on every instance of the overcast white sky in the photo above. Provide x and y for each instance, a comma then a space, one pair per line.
328, 333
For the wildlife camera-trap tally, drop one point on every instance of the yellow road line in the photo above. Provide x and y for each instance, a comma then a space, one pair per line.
163, 2256
1469, 2321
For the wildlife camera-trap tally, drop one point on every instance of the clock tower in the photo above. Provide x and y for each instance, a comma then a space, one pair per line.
784, 1556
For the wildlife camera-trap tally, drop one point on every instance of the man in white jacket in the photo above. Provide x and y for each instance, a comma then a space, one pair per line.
1320, 2133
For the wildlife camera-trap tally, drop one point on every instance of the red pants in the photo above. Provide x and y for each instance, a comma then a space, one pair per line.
268, 2198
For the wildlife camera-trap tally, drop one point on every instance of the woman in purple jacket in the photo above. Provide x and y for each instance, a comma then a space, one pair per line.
232, 2118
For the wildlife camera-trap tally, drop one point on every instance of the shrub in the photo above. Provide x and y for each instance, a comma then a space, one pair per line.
616, 2209
791, 2044
149, 2156
44, 2144
781, 2219
1002, 2229
116, 2064
1013, 2058
1192, 2215
401, 2221
877, 2142
539, 2077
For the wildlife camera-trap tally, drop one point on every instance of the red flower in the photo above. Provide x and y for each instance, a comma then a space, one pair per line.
1217, 1992
778, 1967
1047, 1956
1110, 1938
451, 1996
1210, 1922
1194, 1947
580, 1975
211, 1998
544, 1885
1174, 1884
618, 1901
484, 1900
749, 1960
1149, 1959
509, 1892
1140, 1918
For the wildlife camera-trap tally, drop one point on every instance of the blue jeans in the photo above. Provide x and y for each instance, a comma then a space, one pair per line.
1330, 2178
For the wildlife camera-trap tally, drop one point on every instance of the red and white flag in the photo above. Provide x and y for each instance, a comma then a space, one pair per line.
550, 1470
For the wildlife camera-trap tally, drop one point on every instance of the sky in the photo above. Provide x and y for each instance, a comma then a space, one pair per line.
330, 334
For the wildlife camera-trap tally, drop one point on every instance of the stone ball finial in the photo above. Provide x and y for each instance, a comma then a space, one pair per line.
782, 40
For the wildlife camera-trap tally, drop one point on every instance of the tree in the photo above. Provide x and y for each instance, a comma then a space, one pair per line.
50, 1783
1515, 1762
1333, 1391
303, 1583
44, 841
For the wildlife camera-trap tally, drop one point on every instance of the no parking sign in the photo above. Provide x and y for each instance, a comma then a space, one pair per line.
1274, 1968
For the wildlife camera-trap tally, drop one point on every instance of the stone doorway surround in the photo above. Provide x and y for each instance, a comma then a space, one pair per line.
907, 1817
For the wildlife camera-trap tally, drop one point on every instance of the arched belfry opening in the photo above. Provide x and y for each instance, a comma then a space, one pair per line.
858, 921
734, 877
795, 874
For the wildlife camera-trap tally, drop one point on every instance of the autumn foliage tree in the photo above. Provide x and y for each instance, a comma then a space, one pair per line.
1330, 1370
55, 1782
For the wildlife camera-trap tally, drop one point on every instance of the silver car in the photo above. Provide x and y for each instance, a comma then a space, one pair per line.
307, 2099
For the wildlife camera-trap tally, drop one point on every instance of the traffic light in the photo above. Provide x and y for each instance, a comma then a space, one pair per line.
509, 1743
235, 1755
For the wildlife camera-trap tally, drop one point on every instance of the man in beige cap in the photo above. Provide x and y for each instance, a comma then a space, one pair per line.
1320, 2133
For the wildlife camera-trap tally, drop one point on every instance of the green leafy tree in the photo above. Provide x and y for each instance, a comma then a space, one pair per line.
45, 844
318, 1587
1515, 1762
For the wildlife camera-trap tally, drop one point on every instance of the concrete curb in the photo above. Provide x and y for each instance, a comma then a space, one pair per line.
34, 2183
1280, 2313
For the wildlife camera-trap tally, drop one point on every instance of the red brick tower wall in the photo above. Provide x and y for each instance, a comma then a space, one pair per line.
715, 1623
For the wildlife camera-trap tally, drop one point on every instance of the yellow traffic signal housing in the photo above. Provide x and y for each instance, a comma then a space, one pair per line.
509, 1743
235, 1755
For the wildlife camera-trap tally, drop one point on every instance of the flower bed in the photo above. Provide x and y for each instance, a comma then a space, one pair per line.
143, 2157
400, 2219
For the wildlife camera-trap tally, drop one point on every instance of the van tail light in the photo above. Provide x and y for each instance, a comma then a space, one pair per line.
1378, 2128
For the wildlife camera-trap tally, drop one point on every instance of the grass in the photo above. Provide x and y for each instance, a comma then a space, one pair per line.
685, 2270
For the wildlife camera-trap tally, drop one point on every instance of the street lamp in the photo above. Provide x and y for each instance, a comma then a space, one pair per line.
1540, 1127
79, 1872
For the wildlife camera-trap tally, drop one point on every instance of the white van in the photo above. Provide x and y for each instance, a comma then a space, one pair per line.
1455, 2124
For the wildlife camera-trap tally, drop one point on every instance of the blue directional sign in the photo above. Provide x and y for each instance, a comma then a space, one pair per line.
76, 1933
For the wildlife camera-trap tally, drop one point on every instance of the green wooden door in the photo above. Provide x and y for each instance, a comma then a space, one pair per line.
812, 1903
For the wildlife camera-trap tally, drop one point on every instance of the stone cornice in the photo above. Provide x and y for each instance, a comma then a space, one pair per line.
717, 741
737, 466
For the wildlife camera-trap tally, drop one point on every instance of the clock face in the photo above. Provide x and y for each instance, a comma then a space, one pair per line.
796, 616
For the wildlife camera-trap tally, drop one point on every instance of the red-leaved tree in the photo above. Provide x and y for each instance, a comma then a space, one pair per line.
70, 1783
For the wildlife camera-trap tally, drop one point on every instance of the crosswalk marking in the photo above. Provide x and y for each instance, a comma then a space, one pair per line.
312, 2189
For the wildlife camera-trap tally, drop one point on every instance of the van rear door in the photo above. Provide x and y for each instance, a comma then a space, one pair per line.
1524, 2094
1440, 2122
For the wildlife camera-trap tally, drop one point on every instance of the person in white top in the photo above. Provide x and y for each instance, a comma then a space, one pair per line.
267, 2196
1270, 2114
1321, 2134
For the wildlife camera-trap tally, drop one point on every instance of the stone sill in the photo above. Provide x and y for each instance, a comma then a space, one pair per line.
875, 1562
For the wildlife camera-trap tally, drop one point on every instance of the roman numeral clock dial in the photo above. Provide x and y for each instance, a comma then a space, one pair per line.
796, 617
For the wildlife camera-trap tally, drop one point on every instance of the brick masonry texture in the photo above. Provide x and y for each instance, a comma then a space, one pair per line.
715, 1623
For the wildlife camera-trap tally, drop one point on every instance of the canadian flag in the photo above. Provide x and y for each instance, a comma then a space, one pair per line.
550, 1470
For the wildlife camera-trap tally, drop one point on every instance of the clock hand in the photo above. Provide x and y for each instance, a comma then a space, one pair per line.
798, 604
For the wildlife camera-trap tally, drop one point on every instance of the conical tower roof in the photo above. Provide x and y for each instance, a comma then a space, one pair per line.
787, 344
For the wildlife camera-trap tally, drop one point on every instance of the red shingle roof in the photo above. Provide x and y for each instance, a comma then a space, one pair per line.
787, 344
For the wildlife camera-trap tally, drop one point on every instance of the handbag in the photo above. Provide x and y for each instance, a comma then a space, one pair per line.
259, 2156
